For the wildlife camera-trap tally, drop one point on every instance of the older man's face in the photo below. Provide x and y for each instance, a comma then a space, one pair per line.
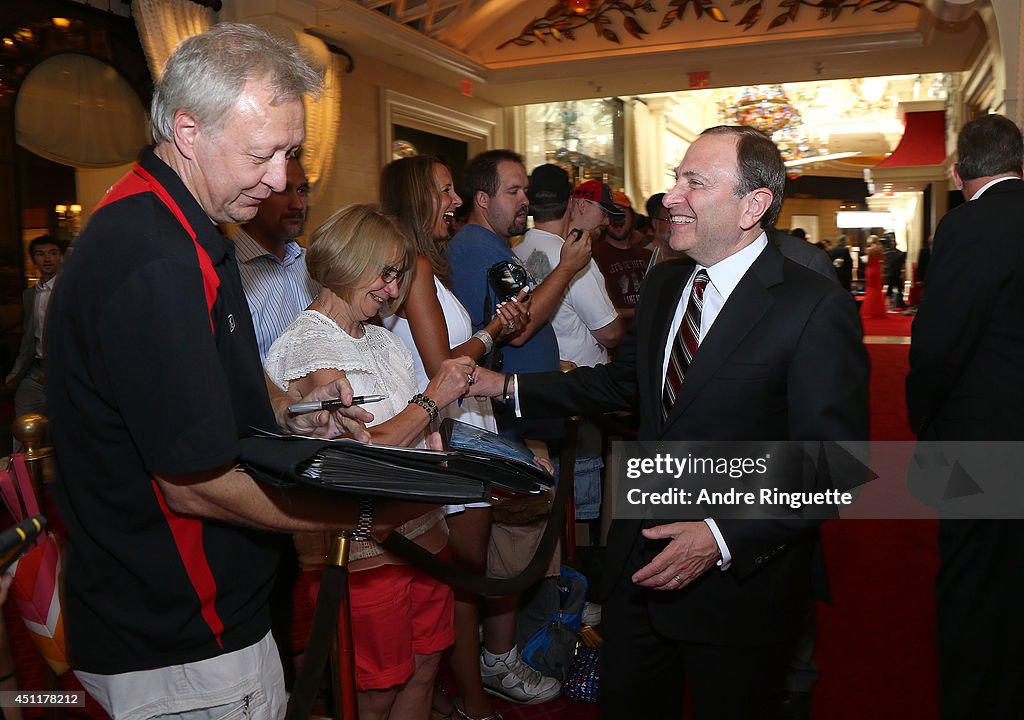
235, 169
707, 217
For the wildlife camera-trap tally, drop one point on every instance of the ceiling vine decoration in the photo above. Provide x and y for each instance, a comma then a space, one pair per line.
566, 17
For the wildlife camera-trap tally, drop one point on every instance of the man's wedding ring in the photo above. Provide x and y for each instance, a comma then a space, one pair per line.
679, 580
470, 379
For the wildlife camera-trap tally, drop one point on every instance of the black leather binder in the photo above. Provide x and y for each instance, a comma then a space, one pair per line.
476, 465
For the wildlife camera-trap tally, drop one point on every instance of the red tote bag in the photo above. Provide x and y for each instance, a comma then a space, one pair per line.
35, 588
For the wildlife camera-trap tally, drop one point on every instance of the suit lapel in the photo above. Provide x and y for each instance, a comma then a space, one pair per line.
744, 309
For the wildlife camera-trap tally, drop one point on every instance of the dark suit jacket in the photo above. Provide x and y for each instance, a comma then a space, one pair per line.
967, 352
803, 253
27, 349
784, 360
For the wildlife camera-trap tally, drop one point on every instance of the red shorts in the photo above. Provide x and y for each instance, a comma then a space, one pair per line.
398, 612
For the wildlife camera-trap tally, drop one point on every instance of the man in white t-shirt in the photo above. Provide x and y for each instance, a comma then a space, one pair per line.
586, 323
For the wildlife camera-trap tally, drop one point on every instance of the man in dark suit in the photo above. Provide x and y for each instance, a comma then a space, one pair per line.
965, 384
27, 375
780, 357
843, 262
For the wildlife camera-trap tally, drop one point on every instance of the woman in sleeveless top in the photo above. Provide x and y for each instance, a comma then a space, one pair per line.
419, 192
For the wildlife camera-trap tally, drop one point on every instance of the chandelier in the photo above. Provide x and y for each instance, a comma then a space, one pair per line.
768, 108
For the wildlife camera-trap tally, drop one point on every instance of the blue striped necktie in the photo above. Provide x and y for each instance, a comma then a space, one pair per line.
685, 344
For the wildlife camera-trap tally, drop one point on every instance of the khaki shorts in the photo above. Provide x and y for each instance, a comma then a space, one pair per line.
512, 546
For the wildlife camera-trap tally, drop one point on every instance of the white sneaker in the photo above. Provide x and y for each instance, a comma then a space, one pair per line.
517, 682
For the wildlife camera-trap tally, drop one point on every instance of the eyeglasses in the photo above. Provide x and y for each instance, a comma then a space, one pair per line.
390, 272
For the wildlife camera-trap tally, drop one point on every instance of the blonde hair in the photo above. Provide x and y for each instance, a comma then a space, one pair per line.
356, 243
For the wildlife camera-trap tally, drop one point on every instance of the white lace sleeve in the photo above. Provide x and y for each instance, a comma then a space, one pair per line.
312, 342
378, 363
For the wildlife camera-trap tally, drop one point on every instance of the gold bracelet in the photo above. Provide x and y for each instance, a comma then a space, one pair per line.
427, 404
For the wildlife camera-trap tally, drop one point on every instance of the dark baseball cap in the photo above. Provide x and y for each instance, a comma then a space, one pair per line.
599, 192
655, 205
549, 185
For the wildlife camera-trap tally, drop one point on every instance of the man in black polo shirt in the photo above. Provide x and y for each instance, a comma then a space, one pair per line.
155, 377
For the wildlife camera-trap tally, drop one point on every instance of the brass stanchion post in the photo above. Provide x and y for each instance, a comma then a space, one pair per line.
344, 659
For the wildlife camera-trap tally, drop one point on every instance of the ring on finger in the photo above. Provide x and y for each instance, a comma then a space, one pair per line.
470, 379
679, 580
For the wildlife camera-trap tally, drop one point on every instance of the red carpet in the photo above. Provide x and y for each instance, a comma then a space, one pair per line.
893, 324
876, 643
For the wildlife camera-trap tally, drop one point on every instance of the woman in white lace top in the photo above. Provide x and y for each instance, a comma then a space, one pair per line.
402, 618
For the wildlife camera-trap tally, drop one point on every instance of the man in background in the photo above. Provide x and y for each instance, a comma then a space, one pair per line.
842, 262
661, 229
585, 323
271, 261
965, 384
622, 263
28, 376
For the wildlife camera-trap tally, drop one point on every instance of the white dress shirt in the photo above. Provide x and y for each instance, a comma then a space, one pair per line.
724, 276
989, 184
42, 301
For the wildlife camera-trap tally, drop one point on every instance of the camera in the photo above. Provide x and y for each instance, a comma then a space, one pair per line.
507, 279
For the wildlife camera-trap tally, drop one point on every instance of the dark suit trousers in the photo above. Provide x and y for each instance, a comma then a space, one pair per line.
644, 671
978, 595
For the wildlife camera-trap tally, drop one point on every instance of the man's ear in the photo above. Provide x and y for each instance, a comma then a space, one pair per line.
483, 200
186, 132
757, 204
956, 177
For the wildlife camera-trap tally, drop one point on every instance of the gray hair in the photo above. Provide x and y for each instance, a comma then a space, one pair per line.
207, 73
759, 165
987, 146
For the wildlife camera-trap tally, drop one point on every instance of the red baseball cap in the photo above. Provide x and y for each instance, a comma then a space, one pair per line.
599, 192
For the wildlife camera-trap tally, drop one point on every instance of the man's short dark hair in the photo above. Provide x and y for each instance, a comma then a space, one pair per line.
987, 146
482, 173
45, 240
548, 213
655, 206
759, 165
